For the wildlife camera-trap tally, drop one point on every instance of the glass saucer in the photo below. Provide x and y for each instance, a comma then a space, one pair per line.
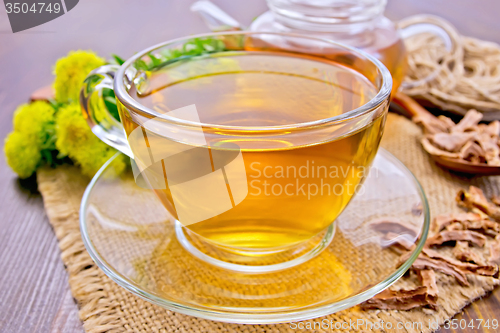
131, 237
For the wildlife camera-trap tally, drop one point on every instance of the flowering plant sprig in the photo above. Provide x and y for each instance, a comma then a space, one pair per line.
54, 131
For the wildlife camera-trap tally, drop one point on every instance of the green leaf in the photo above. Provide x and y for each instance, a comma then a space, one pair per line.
118, 60
176, 53
168, 54
50, 139
109, 98
154, 61
193, 47
47, 156
141, 64
56, 105
61, 155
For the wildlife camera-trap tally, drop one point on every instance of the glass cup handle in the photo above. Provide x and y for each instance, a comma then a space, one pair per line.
102, 123
418, 24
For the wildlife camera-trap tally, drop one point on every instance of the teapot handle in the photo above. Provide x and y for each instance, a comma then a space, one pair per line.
215, 18
419, 24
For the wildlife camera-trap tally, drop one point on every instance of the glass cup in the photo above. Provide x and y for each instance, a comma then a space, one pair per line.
253, 142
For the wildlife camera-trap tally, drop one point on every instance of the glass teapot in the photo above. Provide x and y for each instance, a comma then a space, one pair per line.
358, 23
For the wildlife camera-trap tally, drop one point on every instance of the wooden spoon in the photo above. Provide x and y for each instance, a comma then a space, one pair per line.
413, 109
42, 94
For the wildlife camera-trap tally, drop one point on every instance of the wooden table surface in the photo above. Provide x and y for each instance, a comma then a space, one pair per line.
34, 292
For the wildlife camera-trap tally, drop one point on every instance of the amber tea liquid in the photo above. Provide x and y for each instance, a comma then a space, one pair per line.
295, 191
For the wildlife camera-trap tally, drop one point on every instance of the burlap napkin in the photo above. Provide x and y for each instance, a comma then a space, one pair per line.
106, 307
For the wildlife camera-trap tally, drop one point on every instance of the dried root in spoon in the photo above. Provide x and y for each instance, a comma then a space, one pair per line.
466, 141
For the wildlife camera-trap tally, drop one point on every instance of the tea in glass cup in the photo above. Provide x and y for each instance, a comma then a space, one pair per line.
252, 144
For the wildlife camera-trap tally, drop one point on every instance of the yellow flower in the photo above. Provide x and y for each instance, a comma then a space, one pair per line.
22, 153
76, 140
35, 119
70, 73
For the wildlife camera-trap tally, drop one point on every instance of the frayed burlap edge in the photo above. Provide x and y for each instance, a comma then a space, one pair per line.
106, 307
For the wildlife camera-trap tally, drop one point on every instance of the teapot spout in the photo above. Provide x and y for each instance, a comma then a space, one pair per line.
215, 18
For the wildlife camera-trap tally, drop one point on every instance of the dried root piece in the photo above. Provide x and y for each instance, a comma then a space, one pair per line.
465, 267
468, 122
442, 221
463, 252
486, 227
490, 147
475, 200
427, 278
494, 257
452, 142
396, 233
404, 241
431, 124
400, 300
446, 121
394, 225
496, 199
433, 150
473, 152
423, 262
492, 129
485, 270
457, 235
